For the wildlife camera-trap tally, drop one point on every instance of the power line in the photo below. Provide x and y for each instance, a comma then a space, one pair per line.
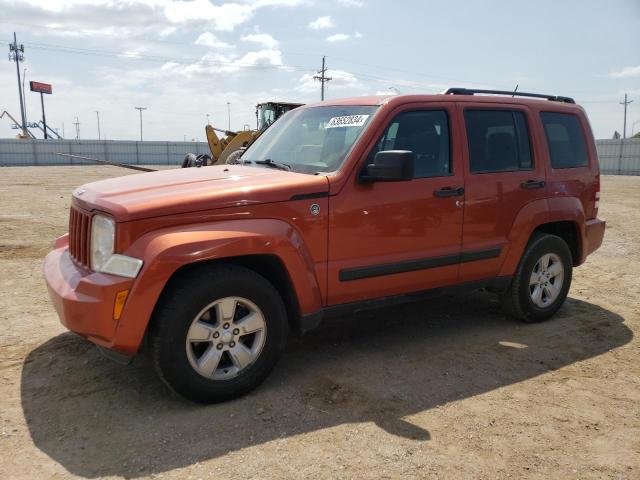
158, 58
205, 61
202, 61
419, 74
288, 53
322, 78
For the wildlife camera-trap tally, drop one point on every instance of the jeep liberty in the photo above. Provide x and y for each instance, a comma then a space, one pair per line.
337, 206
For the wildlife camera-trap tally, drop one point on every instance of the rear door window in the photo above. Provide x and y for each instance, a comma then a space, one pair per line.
498, 141
565, 138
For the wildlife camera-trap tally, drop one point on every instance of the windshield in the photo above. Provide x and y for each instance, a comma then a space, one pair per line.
311, 140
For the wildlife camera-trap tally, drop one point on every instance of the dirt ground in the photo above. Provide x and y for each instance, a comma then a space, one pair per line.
449, 388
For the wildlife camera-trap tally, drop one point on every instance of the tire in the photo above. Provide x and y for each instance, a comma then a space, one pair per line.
193, 352
189, 161
528, 299
234, 157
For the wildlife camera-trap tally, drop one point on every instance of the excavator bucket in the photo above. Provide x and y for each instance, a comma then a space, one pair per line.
215, 144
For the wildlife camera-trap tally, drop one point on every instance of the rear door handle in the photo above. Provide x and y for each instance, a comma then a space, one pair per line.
449, 192
529, 184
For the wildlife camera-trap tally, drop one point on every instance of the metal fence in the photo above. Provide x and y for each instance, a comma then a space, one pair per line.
43, 152
619, 157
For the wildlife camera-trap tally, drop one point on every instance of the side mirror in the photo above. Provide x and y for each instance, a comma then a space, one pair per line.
391, 166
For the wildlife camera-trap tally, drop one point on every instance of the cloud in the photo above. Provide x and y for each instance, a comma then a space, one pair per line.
262, 57
321, 23
224, 17
130, 54
352, 3
208, 39
215, 64
133, 18
626, 72
264, 39
340, 37
83, 18
340, 78
275, 3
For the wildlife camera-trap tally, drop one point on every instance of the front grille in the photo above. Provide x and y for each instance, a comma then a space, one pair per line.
79, 227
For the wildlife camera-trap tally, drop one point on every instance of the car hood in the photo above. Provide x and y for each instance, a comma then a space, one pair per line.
185, 190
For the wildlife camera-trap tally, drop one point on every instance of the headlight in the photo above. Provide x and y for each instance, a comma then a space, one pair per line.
103, 234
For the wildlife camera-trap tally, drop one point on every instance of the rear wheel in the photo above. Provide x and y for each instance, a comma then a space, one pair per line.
218, 334
542, 280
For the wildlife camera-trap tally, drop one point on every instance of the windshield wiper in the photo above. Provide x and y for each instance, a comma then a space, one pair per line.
272, 164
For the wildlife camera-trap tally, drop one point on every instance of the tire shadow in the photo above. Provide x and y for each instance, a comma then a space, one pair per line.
97, 418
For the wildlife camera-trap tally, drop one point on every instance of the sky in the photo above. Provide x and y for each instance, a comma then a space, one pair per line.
186, 59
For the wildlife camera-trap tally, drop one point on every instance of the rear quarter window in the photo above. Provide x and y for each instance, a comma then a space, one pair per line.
565, 139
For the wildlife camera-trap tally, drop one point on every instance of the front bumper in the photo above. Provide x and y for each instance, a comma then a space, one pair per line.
84, 300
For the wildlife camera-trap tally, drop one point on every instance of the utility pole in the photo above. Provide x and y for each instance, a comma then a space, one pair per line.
77, 124
63, 130
229, 114
140, 109
98, 115
323, 79
624, 128
24, 94
16, 54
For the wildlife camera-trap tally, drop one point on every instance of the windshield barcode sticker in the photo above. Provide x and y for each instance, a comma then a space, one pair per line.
347, 121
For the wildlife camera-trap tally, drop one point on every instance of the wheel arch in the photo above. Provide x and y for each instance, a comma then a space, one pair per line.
568, 231
278, 253
269, 266
561, 216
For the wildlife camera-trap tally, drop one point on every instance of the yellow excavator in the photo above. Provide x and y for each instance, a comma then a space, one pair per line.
229, 148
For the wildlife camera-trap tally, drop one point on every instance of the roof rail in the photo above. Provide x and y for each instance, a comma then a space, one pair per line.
471, 91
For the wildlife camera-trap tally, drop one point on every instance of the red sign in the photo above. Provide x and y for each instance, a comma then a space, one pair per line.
41, 87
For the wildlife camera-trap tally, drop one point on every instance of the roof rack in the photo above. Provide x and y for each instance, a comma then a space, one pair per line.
471, 91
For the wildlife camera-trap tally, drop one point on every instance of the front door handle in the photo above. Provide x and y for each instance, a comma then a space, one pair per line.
449, 192
529, 184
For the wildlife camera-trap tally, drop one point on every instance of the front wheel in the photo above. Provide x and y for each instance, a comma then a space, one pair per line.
217, 333
542, 280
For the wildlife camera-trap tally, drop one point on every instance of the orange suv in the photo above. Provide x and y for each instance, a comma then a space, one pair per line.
337, 206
